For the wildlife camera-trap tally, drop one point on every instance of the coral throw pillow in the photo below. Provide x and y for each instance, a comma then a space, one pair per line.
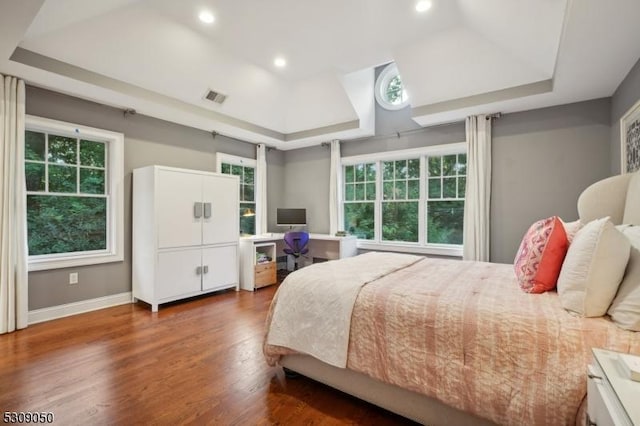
540, 256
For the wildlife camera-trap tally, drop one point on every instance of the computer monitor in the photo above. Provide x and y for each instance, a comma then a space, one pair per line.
291, 217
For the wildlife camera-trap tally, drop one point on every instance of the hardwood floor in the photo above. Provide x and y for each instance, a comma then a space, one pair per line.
194, 362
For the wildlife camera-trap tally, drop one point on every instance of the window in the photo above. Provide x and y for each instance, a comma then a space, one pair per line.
389, 89
414, 203
359, 198
74, 180
401, 199
245, 169
445, 199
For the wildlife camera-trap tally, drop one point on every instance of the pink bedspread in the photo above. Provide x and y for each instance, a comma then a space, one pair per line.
327, 297
465, 334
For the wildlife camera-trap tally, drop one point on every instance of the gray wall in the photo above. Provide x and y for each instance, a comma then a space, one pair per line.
275, 186
436, 135
147, 141
306, 185
306, 171
541, 161
625, 96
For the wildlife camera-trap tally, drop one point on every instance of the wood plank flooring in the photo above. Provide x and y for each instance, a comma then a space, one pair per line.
193, 362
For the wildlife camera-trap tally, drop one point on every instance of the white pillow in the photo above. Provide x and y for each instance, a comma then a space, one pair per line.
593, 268
625, 309
571, 229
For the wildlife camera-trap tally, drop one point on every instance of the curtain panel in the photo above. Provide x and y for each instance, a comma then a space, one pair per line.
476, 231
13, 217
261, 194
335, 190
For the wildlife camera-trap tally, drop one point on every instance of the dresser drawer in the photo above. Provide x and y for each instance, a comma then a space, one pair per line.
598, 404
265, 274
603, 407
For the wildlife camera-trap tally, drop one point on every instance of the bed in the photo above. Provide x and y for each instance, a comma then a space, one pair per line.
446, 341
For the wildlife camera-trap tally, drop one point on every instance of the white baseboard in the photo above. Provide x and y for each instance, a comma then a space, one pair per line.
61, 311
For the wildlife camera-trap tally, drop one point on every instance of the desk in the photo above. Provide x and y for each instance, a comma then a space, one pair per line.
321, 246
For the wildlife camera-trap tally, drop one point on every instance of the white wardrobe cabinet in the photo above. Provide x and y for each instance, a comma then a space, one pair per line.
185, 233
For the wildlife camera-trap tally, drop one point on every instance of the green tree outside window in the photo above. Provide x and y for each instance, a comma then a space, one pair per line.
359, 201
246, 175
403, 186
66, 193
445, 201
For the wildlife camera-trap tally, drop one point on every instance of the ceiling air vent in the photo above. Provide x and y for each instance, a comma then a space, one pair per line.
216, 97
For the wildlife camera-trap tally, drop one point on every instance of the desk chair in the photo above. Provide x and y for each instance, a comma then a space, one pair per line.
296, 245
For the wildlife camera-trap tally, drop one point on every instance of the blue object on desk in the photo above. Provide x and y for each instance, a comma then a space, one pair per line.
296, 245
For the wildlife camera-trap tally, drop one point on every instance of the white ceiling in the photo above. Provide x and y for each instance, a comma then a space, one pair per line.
461, 57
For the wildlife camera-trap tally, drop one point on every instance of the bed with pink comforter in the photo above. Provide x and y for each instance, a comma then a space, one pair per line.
465, 334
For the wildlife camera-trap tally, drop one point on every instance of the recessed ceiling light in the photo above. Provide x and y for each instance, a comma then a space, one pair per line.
423, 6
206, 17
280, 62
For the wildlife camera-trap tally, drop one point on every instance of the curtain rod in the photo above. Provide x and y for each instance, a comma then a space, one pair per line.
375, 137
401, 133
407, 132
214, 134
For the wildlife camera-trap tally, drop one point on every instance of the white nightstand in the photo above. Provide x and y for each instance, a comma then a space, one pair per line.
613, 398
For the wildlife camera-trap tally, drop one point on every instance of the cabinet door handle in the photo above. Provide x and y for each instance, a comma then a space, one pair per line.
205, 269
593, 376
197, 210
199, 270
207, 210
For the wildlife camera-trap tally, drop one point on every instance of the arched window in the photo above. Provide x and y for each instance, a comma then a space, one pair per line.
390, 92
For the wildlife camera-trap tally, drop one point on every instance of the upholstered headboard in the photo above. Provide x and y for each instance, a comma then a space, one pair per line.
617, 197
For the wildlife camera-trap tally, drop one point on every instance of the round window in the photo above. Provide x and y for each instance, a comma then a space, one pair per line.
390, 92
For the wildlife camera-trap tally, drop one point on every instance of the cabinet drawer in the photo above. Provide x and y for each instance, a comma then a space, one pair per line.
603, 407
265, 274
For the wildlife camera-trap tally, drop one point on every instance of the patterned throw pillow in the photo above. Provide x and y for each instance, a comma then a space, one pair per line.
539, 258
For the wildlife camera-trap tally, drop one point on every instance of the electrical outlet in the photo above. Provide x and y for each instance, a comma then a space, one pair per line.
73, 278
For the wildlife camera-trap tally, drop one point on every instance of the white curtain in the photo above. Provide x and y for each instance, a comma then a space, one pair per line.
478, 191
335, 189
261, 190
13, 218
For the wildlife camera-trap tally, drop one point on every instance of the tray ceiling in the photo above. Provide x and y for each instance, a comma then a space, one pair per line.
458, 58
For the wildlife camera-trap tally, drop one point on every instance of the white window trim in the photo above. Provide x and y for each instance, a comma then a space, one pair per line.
234, 159
435, 249
421, 247
385, 76
243, 161
403, 154
115, 201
